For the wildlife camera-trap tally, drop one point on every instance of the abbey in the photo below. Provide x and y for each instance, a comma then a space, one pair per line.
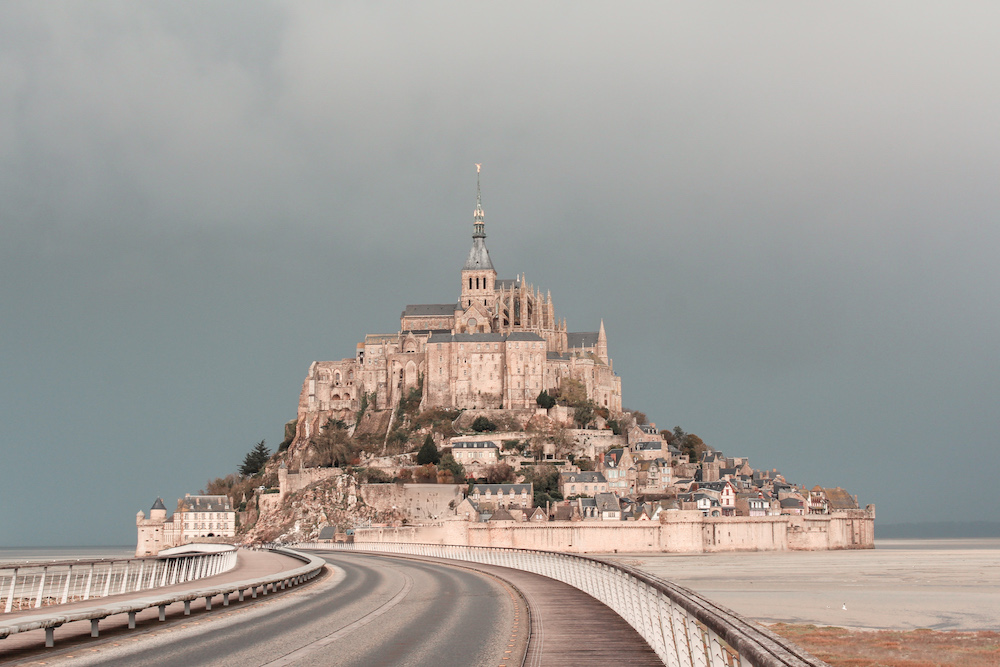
497, 347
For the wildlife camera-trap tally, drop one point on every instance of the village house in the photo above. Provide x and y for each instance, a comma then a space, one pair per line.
475, 455
196, 517
582, 484
493, 496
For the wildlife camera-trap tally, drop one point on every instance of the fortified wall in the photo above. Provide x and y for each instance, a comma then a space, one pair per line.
679, 532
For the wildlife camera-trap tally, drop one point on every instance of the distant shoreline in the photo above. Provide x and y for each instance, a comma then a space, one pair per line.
938, 530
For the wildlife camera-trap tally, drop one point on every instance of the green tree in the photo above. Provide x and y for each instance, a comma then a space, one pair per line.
255, 460
572, 392
545, 479
483, 424
615, 427
544, 400
448, 462
499, 473
583, 414
428, 452
332, 446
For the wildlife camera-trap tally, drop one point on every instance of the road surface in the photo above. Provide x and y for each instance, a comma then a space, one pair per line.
373, 610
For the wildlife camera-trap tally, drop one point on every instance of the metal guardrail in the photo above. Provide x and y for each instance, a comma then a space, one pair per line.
53, 618
682, 627
34, 585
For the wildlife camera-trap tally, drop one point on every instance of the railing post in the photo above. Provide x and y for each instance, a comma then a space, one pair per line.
38, 598
107, 579
138, 578
69, 577
90, 579
10, 593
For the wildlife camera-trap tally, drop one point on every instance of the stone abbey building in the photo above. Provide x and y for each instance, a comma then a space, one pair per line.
497, 347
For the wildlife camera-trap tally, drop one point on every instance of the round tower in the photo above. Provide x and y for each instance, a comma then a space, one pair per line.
158, 511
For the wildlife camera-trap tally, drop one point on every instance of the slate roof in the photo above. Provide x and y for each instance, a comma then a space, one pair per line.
429, 309
485, 444
607, 502
581, 339
495, 489
524, 335
563, 512
555, 355
502, 515
446, 337
644, 446
508, 283
327, 532
479, 256
585, 477
207, 503
158, 505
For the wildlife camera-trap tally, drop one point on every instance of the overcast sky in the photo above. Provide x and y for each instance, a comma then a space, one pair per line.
786, 213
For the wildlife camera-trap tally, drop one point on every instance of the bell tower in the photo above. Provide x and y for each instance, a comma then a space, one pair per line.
478, 275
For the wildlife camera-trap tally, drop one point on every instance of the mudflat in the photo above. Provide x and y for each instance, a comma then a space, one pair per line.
900, 585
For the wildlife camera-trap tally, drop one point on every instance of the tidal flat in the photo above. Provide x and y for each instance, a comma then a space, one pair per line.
945, 584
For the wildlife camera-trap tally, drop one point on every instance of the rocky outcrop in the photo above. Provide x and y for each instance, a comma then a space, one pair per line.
301, 515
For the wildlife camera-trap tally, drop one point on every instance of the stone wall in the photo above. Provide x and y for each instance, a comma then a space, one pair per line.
419, 502
680, 532
290, 482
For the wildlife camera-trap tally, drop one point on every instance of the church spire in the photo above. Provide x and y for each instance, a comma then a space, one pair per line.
479, 214
602, 344
479, 257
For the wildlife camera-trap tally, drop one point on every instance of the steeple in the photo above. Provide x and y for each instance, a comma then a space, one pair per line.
479, 256
602, 344
479, 215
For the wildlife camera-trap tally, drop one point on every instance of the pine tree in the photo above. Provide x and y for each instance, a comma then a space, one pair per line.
255, 460
428, 452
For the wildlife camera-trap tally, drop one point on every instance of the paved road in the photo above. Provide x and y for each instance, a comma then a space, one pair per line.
373, 611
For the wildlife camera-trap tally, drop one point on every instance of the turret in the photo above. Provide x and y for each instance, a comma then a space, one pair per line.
602, 344
158, 512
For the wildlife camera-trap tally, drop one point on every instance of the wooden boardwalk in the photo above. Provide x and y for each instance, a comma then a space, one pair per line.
568, 627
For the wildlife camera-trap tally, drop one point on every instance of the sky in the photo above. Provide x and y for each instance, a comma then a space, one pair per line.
786, 214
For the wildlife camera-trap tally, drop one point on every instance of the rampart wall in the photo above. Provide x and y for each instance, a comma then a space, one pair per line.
680, 532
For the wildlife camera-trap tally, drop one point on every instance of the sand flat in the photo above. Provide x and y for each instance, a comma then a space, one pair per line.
900, 585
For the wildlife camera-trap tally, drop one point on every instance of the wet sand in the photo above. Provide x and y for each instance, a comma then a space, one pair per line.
900, 585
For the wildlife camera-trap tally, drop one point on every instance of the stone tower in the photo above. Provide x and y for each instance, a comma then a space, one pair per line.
478, 275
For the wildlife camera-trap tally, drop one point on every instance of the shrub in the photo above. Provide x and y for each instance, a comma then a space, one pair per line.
482, 424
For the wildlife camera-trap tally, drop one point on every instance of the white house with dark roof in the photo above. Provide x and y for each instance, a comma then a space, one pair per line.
475, 453
487, 496
196, 517
582, 484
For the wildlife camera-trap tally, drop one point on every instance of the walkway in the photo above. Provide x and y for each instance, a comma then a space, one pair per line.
568, 627
250, 565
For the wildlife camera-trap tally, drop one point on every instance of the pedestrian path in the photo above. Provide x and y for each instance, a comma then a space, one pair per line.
249, 565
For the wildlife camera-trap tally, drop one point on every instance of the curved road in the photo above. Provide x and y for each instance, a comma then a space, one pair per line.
374, 610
